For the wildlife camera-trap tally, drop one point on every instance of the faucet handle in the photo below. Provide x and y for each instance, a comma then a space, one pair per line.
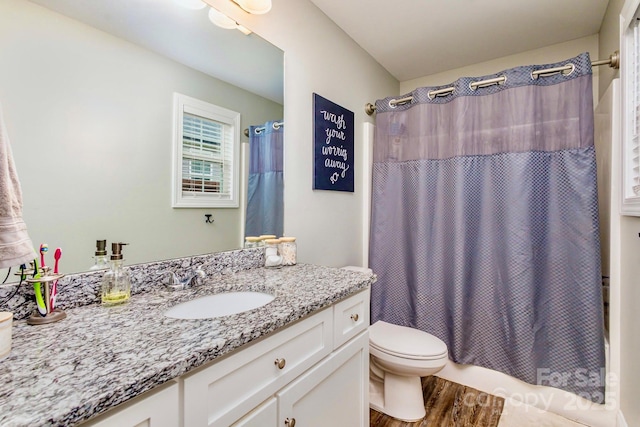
174, 281
198, 276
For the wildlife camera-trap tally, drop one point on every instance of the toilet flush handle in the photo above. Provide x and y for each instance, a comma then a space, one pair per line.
355, 317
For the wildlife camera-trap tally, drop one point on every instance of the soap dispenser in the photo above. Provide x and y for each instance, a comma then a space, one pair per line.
116, 285
101, 261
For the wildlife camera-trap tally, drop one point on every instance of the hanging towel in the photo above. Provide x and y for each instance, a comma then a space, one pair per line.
15, 245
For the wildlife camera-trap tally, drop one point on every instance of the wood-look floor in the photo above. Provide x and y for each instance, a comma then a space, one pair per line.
449, 404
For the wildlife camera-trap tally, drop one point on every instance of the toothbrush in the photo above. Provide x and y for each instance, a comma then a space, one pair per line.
43, 248
54, 287
42, 308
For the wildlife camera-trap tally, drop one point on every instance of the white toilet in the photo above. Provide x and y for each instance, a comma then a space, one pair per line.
399, 357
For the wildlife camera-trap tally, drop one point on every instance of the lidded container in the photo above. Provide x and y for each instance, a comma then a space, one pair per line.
251, 242
6, 321
271, 246
116, 284
271, 257
288, 250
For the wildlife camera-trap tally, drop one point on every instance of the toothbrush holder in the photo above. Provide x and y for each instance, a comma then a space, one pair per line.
52, 315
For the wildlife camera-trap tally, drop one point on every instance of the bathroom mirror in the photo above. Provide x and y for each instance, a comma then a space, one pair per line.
87, 89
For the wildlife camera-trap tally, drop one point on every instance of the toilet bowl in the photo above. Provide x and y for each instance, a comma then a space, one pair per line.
399, 357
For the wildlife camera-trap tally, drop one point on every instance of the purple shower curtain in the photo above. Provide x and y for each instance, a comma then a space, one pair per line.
485, 224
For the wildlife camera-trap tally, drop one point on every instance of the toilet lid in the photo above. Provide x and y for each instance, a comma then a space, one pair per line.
405, 342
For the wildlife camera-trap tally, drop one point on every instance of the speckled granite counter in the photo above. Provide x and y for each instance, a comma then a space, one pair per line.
64, 373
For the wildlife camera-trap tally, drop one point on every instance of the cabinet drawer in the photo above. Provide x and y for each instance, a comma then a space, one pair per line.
351, 316
221, 393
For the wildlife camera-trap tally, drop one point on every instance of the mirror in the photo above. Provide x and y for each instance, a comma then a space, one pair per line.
87, 88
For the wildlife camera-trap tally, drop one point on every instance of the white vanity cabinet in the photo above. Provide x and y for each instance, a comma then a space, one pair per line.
311, 373
300, 375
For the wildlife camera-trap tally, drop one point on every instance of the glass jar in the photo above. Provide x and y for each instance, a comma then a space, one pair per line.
288, 250
271, 257
251, 242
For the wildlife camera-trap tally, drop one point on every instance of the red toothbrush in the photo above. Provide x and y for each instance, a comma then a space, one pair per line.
54, 287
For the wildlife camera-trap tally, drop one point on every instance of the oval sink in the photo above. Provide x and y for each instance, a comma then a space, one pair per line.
218, 305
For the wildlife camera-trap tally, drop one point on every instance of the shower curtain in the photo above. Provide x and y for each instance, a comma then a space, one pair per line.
485, 225
265, 192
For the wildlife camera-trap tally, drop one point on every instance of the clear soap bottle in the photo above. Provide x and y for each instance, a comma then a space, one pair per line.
101, 261
116, 284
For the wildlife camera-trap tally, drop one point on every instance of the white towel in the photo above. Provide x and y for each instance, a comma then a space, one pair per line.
15, 245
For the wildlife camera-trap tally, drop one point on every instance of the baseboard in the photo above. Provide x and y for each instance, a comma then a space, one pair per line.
621, 422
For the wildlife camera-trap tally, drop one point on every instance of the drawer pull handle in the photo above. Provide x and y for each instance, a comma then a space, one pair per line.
355, 317
280, 364
290, 422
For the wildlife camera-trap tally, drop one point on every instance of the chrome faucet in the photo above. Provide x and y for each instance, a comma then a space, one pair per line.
176, 283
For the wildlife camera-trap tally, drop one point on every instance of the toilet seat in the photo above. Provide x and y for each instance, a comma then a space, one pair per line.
406, 343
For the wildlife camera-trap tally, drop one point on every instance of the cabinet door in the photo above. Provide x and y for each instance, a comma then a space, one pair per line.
333, 393
221, 393
155, 409
265, 415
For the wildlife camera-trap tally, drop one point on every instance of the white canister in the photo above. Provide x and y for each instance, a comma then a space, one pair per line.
6, 321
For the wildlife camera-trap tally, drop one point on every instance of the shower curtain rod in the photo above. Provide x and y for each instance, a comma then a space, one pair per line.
275, 125
613, 62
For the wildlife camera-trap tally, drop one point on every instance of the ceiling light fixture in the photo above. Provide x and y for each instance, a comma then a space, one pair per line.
223, 21
257, 7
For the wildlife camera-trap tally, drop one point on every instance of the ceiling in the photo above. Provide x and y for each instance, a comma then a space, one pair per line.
185, 36
416, 38
409, 38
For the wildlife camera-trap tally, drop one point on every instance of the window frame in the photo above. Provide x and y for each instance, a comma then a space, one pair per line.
185, 104
629, 201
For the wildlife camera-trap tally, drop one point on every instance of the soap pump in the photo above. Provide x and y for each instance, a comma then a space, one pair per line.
101, 261
116, 285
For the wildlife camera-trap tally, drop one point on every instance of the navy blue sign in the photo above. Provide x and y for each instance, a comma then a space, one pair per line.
333, 146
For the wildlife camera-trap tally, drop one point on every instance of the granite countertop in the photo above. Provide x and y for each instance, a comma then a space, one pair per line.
63, 373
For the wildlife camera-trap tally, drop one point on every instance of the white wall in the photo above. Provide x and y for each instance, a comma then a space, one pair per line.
320, 58
90, 116
609, 41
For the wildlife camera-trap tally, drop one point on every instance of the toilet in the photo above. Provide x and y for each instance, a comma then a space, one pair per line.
398, 357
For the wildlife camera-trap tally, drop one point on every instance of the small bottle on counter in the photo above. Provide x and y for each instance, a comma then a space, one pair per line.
101, 261
251, 242
271, 257
288, 250
116, 285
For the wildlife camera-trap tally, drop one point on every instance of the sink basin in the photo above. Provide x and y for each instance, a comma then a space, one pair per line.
218, 305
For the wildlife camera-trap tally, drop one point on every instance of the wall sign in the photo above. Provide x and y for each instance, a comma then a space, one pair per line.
332, 146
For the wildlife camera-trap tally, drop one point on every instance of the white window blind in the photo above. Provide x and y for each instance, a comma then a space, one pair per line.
205, 154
